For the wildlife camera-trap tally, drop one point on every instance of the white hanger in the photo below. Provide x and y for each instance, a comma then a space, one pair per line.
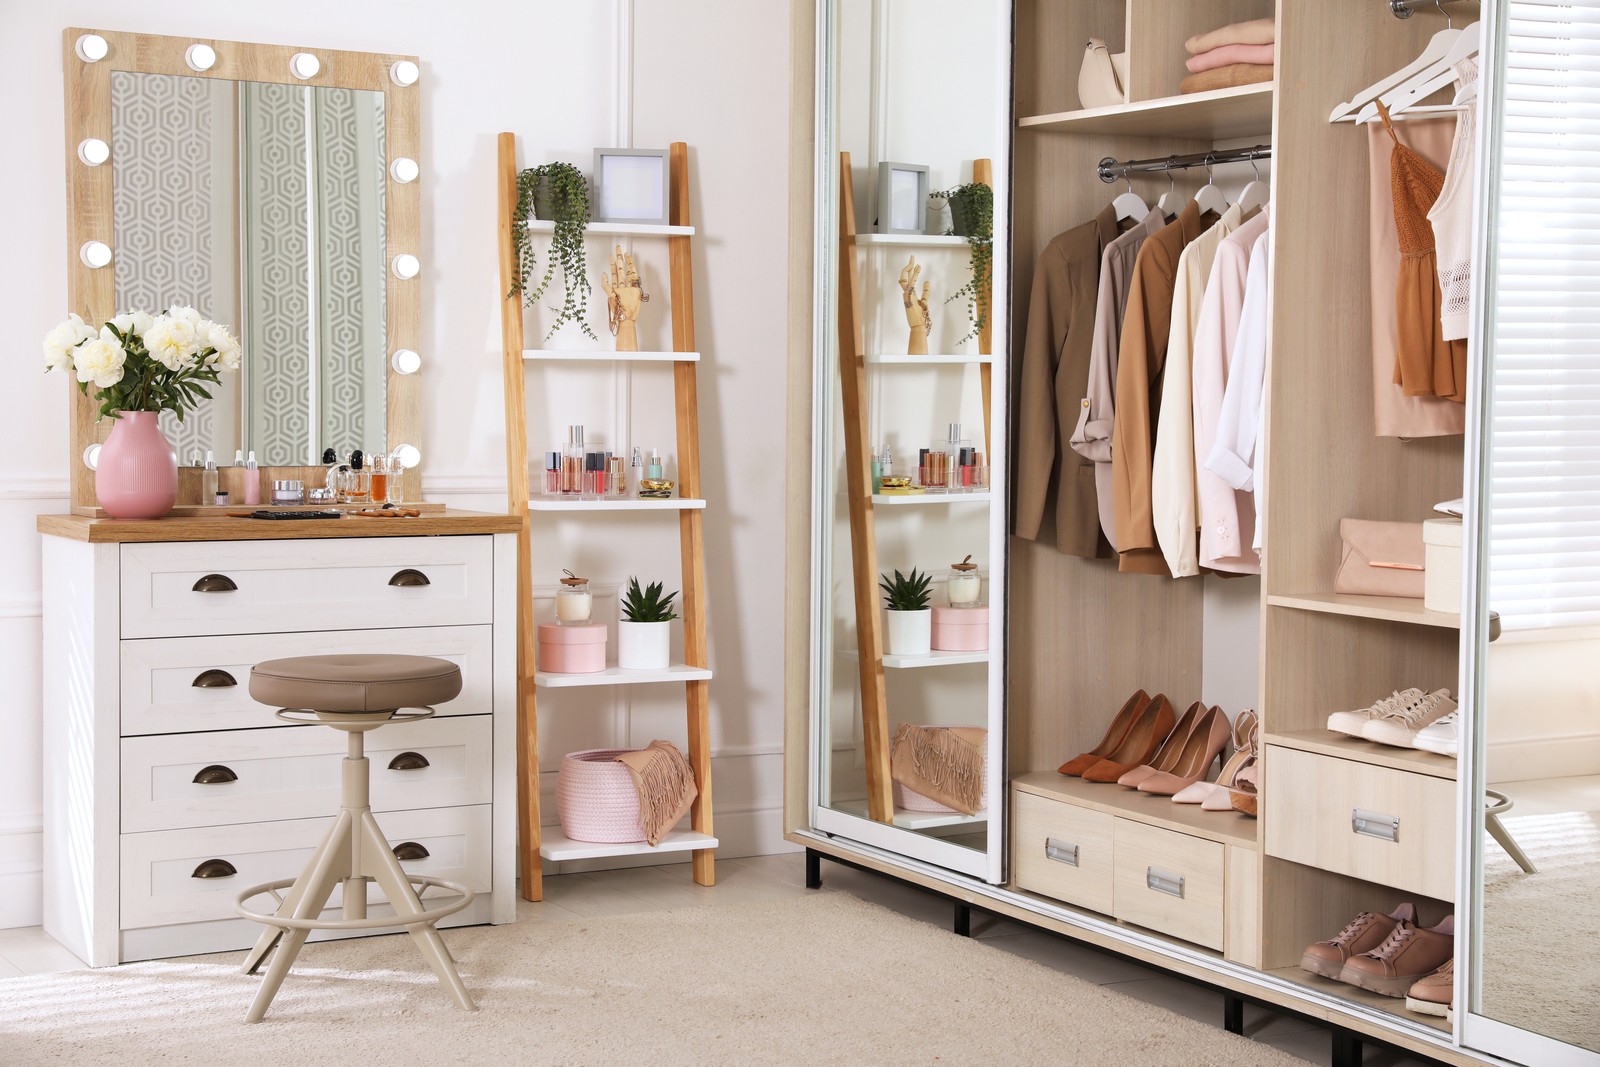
1255, 194
1171, 201
1406, 96
1209, 197
1128, 205
1436, 50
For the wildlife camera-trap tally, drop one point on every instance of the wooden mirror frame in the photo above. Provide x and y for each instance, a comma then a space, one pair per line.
92, 292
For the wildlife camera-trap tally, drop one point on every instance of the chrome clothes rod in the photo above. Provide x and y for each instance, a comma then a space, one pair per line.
1110, 170
1404, 9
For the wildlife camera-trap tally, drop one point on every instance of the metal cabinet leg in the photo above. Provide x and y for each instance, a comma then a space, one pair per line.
813, 869
1232, 1013
963, 920
1347, 1050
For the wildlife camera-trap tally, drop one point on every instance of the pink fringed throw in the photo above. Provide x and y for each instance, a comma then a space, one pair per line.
665, 782
943, 763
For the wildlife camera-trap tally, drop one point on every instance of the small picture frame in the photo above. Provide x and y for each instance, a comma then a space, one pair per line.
902, 198
632, 185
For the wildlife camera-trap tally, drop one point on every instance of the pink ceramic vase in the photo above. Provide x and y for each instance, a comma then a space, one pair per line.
137, 474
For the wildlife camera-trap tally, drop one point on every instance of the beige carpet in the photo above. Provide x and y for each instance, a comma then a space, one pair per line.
1540, 930
819, 979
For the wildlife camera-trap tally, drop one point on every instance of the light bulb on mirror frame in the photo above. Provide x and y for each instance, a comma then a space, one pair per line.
93, 151
304, 65
91, 48
95, 254
406, 266
91, 456
403, 72
407, 456
404, 170
200, 57
405, 361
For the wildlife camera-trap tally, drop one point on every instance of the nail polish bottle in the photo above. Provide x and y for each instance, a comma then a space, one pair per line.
252, 483
552, 473
208, 480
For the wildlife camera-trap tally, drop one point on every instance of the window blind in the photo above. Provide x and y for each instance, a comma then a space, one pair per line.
1544, 568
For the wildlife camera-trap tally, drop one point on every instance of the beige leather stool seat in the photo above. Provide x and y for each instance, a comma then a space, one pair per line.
355, 683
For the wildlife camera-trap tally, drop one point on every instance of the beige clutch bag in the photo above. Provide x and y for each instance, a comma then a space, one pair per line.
1103, 78
1380, 558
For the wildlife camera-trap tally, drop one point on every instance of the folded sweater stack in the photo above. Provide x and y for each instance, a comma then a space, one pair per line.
1241, 54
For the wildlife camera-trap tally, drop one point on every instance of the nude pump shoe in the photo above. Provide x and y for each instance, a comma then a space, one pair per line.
1171, 745
1213, 796
1116, 733
1154, 726
1200, 751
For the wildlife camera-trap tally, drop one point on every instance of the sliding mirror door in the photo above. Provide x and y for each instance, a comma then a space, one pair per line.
909, 427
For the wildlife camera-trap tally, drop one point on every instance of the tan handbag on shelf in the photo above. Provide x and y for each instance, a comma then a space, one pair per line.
1103, 78
1380, 558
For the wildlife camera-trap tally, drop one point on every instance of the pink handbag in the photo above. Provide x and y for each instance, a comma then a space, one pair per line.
1380, 558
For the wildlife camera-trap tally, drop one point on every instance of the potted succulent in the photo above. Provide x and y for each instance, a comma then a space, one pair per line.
972, 217
906, 604
644, 636
557, 192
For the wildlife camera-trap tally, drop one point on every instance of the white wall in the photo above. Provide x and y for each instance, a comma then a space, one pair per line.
1543, 705
713, 73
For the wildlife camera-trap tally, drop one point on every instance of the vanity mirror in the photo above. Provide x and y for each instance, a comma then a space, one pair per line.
274, 189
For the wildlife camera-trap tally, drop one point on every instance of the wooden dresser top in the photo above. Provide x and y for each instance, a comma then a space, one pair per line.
223, 528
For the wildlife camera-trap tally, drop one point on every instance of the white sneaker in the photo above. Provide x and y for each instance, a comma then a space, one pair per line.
1353, 722
1400, 728
1443, 736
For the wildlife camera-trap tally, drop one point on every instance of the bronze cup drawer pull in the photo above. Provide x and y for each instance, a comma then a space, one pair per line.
408, 578
215, 583
408, 761
215, 678
410, 850
216, 774
215, 869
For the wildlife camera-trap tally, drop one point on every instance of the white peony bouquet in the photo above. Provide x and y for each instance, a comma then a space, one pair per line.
144, 362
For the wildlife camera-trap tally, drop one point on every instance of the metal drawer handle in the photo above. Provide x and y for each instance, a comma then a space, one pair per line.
1163, 881
216, 774
410, 850
408, 761
409, 577
215, 869
215, 678
1060, 851
215, 583
1375, 824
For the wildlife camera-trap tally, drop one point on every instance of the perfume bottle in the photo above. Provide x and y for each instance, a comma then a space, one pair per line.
964, 587
330, 477
572, 463
358, 483
252, 482
383, 469
208, 480
574, 602
654, 485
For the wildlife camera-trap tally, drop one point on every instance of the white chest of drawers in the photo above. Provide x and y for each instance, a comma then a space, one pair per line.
167, 789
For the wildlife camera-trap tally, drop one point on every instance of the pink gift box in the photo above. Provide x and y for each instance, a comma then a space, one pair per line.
579, 649
960, 629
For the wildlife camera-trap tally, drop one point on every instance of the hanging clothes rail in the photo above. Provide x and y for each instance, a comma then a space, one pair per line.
1404, 9
1110, 170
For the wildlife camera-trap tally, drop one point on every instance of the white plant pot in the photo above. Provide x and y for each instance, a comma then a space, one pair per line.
644, 646
910, 632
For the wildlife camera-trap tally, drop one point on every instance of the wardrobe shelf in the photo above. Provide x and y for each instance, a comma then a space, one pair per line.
917, 820
1328, 743
1392, 1006
678, 672
936, 659
912, 240
1228, 827
888, 359
1239, 111
1390, 608
600, 355
912, 499
675, 503
616, 229
555, 845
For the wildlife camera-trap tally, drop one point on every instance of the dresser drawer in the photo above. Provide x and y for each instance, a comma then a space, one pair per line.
182, 684
1393, 827
1169, 882
160, 871
175, 589
1062, 851
293, 772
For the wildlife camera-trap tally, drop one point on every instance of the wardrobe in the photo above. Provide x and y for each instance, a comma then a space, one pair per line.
1222, 897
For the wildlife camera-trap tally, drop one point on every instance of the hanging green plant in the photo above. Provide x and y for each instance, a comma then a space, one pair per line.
557, 192
972, 217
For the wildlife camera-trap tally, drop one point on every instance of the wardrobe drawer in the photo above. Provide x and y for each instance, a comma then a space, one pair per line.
294, 772
173, 589
1169, 882
182, 684
1393, 827
161, 872
1062, 851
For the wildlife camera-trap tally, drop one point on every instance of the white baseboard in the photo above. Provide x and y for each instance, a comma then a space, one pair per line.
1553, 756
21, 879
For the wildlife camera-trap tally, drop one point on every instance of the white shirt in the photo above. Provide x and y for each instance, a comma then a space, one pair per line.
1235, 455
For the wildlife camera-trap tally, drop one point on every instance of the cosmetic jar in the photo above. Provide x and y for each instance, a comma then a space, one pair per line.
288, 491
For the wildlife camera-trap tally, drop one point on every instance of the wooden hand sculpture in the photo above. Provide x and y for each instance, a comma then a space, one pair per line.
624, 297
916, 308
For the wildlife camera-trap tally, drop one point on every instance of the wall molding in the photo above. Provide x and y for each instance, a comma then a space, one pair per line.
21, 609
460, 483
34, 487
1541, 758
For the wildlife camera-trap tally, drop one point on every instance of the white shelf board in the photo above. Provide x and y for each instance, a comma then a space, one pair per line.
617, 229
900, 360
677, 672
555, 845
914, 820
936, 659
556, 503
600, 355
912, 240
912, 499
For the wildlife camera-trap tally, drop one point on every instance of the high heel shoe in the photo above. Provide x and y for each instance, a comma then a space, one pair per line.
1171, 745
1153, 727
1245, 737
1200, 751
1116, 733
1245, 796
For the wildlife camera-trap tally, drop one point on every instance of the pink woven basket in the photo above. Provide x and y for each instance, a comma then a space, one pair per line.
596, 797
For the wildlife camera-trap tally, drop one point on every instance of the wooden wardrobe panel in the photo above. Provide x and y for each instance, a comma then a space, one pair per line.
1050, 38
1157, 30
1305, 904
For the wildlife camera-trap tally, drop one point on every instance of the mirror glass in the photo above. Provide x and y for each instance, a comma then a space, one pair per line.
261, 206
911, 82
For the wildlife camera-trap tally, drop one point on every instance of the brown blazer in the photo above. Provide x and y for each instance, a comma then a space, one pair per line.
1141, 359
1050, 385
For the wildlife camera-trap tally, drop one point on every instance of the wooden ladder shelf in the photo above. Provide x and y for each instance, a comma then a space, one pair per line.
692, 602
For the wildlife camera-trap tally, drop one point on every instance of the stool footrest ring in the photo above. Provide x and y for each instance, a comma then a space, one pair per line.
378, 922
